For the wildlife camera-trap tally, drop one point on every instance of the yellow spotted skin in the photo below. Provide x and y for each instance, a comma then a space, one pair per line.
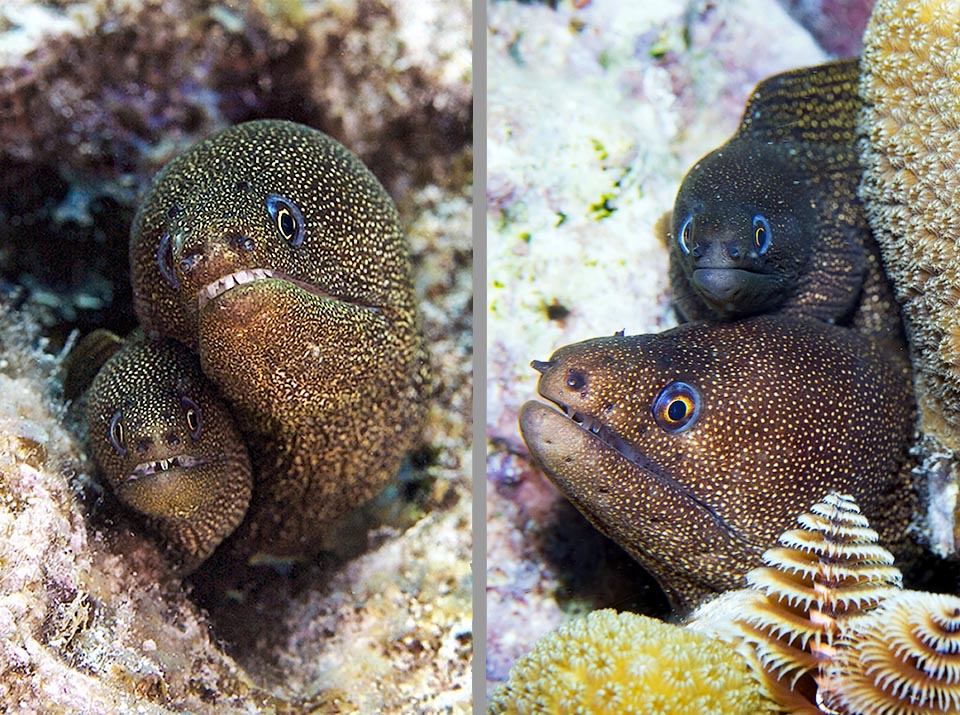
770, 221
320, 357
175, 457
784, 408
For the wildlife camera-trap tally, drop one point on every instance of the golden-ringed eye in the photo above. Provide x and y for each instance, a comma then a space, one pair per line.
287, 218
761, 233
677, 407
115, 433
191, 413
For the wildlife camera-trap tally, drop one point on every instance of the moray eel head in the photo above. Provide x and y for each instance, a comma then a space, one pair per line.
168, 446
694, 448
263, 205
739, 232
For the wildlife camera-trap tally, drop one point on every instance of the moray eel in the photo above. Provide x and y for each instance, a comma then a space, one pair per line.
695, 448
166, 442
275, 253
770, 221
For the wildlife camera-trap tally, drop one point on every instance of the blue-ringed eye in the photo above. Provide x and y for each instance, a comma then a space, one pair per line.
191, 413
287, 218
165, 261
686, 232
677, 407
761, 233
115, 433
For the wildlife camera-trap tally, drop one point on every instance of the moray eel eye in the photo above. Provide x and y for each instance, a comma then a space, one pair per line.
761, 233
576, 380
115, 433
676, 407
191, 413
686, 231
287, 218
165, 261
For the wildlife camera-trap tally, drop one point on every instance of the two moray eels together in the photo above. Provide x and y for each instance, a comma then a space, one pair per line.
694, 448
274, 255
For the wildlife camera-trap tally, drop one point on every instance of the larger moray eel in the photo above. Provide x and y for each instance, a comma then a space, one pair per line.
275, 253
770, 221
165, 441
695, 448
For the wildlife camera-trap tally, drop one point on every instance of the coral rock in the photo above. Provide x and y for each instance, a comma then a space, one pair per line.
910, 66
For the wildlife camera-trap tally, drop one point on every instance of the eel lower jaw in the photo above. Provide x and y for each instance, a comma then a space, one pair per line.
147, 469
214, 290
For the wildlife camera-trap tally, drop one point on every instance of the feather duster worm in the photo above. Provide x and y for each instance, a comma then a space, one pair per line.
903, 658
825, 572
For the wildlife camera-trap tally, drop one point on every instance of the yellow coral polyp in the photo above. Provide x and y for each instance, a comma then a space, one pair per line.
624, 663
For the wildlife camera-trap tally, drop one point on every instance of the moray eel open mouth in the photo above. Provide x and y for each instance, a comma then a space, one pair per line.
146, 469
556, 434
248, 275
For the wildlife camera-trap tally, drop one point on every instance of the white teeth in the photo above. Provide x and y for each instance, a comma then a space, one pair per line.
145, 469
222, 285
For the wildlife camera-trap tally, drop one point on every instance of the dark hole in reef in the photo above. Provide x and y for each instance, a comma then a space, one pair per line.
594, 569
557, 311
65, 250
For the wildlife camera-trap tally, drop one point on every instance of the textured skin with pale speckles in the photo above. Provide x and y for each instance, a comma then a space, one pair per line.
788, 409
322, 364
794, 162
192, 506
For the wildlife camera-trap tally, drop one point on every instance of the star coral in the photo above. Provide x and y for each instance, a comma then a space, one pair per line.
626, 663
911, 156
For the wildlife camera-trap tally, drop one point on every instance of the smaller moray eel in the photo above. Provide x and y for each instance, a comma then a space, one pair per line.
695, 448
275, 253
771, 222
166, 442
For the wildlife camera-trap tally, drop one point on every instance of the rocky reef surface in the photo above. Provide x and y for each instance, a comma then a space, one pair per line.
94, 98
596, 111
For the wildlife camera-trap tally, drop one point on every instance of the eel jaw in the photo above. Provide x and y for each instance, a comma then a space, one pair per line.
147, 469
597, 432
600, 432
214, 290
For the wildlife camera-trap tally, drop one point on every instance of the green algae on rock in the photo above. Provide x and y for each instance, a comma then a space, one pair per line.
694, 448
272, 250
912, 168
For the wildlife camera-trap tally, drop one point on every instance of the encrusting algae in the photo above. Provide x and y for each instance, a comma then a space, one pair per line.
611, 662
